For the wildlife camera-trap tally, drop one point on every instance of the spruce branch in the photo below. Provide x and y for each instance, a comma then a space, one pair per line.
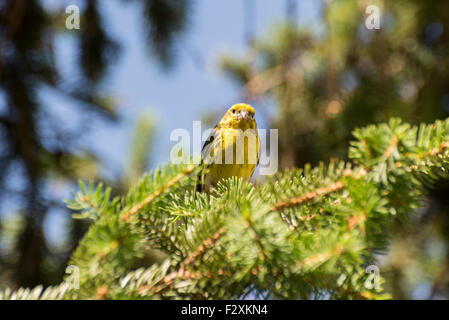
157, 193
305, 233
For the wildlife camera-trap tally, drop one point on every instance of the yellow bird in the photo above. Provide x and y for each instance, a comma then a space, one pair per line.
232, 149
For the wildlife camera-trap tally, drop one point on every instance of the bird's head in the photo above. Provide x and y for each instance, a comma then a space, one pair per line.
240, 116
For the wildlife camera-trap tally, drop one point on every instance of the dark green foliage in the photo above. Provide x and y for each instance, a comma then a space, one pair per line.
165, 20
36, 147
96, 48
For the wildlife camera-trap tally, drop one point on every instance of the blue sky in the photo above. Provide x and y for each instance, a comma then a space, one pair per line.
177, 96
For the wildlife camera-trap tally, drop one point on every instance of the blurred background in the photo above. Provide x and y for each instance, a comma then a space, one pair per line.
99, 104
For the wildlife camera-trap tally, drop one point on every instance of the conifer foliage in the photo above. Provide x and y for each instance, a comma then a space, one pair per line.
303, 233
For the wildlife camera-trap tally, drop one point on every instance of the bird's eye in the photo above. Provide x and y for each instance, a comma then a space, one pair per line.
233, 110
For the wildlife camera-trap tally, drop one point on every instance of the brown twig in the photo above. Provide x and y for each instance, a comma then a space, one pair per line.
393, 144
257, 239
321, 257
183, 273
292, 202
156, 194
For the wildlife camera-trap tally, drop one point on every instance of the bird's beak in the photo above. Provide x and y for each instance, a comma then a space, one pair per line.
244, 114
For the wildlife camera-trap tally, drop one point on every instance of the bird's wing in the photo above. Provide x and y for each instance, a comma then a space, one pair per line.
209, 145
258, 150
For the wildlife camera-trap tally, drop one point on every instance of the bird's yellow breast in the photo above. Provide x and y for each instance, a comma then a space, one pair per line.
239, 156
